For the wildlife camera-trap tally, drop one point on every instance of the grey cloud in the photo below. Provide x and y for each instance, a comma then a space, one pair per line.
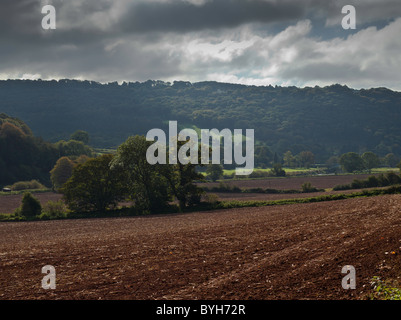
91, 20
20, 17
182, 16
108, 40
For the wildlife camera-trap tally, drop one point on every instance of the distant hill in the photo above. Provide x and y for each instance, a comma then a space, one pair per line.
327, 121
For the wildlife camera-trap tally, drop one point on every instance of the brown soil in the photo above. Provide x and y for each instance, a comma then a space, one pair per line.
282, 252
223, 196
320, 182
9, 203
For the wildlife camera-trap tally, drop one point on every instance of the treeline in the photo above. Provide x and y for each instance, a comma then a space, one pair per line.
226, 188
325, 121
24, 157
381, 180
101, 183
98, 185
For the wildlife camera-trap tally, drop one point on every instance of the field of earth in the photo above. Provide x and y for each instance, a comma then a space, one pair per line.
326, 182
281, 252
287, 183
8, 203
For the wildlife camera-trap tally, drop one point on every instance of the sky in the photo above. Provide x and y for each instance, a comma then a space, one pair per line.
254, 42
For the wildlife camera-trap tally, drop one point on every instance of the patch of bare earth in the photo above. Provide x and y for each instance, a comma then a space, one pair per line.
9, 203
320, 182
282, 252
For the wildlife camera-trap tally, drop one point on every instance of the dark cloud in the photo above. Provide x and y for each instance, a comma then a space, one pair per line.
252, 41
182, 16
19, 18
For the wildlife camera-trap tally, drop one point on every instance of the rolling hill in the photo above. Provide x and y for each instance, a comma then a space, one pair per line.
327, 121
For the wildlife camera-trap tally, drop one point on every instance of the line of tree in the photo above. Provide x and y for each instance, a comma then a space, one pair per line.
101, 183
353, 162
25, 157
321, 120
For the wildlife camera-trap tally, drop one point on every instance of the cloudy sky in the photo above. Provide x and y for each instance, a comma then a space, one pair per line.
258, 42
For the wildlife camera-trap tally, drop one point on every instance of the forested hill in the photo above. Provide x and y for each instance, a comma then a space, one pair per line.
326, 121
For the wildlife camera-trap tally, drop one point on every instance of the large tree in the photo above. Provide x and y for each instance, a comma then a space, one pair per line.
94, 186
80, 135
289, 159
351, 162
214, 171
370, 160
391, 160
180, 178
147, 187
61, 172
153, 186
306, 159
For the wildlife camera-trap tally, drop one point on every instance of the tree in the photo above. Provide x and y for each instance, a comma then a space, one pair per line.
146, 184
351, 162
263, 156
289, 159
94, 186
61, 172
30, 206
333, 164
391, 160
370, 160
399, 165
307, 188
180, 178
306, 159
275, 158
215, 171
73, 148
80, 135
277, 170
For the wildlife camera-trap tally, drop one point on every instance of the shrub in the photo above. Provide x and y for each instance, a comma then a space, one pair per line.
383, 181
372, 182
384, 290
223, 187
255, 190
393, 178
307, 187
53, 210
210, 198
30, 206
342, 187
27, 185
260, 174
277, 170
357, 184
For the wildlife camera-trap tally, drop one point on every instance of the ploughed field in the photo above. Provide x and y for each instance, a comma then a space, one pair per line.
8, 203
281, 252
286, 183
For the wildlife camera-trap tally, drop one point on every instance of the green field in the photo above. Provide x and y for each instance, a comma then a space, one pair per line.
385, 170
